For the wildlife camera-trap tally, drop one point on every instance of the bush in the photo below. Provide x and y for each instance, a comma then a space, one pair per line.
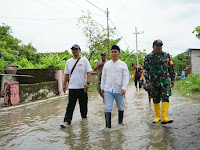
189, 84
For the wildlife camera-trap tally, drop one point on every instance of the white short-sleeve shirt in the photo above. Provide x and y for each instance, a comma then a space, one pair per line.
79, 75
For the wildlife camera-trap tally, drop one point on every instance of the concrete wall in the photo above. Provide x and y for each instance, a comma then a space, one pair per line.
45, 83
195, 61
39, 75
43, 90
94, 79
37, 91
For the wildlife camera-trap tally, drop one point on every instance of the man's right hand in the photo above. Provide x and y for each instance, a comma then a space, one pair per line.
149, 85
101, 64
102, 92
64, 88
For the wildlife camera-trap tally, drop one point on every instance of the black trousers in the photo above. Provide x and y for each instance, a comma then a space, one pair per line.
82, 96
140, 83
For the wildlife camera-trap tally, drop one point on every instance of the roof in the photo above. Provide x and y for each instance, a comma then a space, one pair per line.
189, 49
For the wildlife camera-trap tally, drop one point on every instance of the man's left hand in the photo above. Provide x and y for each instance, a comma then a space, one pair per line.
123, 92
86, 86
172, 84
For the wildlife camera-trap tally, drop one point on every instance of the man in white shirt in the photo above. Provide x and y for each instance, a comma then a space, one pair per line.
78, 84
114, 81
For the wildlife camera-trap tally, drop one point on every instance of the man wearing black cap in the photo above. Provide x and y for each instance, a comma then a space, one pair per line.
99, 67
159, 74
77, 73
114, 80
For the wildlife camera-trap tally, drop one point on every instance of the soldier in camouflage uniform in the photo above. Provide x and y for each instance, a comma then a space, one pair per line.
99, 68
158, 69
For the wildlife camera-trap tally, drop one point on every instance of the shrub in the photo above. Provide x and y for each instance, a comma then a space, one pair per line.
189, 84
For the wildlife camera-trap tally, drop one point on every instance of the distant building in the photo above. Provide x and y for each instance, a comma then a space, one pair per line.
194, 60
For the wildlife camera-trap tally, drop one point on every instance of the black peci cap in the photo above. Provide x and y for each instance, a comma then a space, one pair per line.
115, 47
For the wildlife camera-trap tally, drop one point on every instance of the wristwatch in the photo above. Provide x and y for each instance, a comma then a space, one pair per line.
88, 83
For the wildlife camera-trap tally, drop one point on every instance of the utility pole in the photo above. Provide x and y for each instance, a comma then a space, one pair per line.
107, 13
137, 44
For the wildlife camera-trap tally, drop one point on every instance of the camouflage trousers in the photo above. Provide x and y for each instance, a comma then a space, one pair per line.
161, 92
99, 88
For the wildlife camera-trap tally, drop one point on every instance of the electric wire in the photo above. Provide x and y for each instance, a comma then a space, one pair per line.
119, 33
111, 22
96, 6
45, 19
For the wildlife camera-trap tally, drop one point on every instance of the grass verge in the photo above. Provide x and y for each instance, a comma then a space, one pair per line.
189, 86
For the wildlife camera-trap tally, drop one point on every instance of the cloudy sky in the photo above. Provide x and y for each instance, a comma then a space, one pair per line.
51, 25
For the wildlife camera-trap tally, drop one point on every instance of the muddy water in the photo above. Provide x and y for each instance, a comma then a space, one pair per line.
37, 126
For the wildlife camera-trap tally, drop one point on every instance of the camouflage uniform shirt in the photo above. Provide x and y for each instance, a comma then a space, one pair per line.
99, 73
158, 69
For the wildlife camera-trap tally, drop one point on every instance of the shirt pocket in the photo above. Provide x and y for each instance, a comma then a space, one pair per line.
165, 63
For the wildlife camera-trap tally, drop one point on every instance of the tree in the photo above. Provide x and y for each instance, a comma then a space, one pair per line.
197, 31
95, 34
179, 62
7, 42
11, 52
130, 58
29, 52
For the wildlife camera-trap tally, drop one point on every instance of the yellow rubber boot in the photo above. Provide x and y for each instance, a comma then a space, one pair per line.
157, 112
165, 107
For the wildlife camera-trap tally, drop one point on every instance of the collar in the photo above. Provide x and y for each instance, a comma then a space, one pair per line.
155, 54
115, 62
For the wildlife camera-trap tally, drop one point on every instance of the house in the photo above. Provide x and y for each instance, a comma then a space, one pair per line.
194, 60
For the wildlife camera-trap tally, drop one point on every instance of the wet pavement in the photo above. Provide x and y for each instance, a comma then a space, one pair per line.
37, 126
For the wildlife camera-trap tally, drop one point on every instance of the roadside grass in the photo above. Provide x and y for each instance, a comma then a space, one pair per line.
92, 89
189, 86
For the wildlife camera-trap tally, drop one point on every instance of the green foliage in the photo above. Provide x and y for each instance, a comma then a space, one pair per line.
3, 65
29, 52
197, 31
96, 36
53, 59
11, 52
130, 58
25, 64
92, 63
9, 55
25, 56
65, 55
189, 84
179, 62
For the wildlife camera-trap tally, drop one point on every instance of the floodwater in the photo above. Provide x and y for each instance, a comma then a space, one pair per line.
38, 126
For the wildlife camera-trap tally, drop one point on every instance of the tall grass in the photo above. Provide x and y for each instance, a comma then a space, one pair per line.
189, 85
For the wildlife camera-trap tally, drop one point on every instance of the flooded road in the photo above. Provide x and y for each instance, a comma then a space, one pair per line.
38, 126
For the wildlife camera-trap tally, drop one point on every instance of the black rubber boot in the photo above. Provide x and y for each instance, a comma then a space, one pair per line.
120, 116
108, 119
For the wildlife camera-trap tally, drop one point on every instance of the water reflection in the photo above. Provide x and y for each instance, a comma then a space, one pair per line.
37, 126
